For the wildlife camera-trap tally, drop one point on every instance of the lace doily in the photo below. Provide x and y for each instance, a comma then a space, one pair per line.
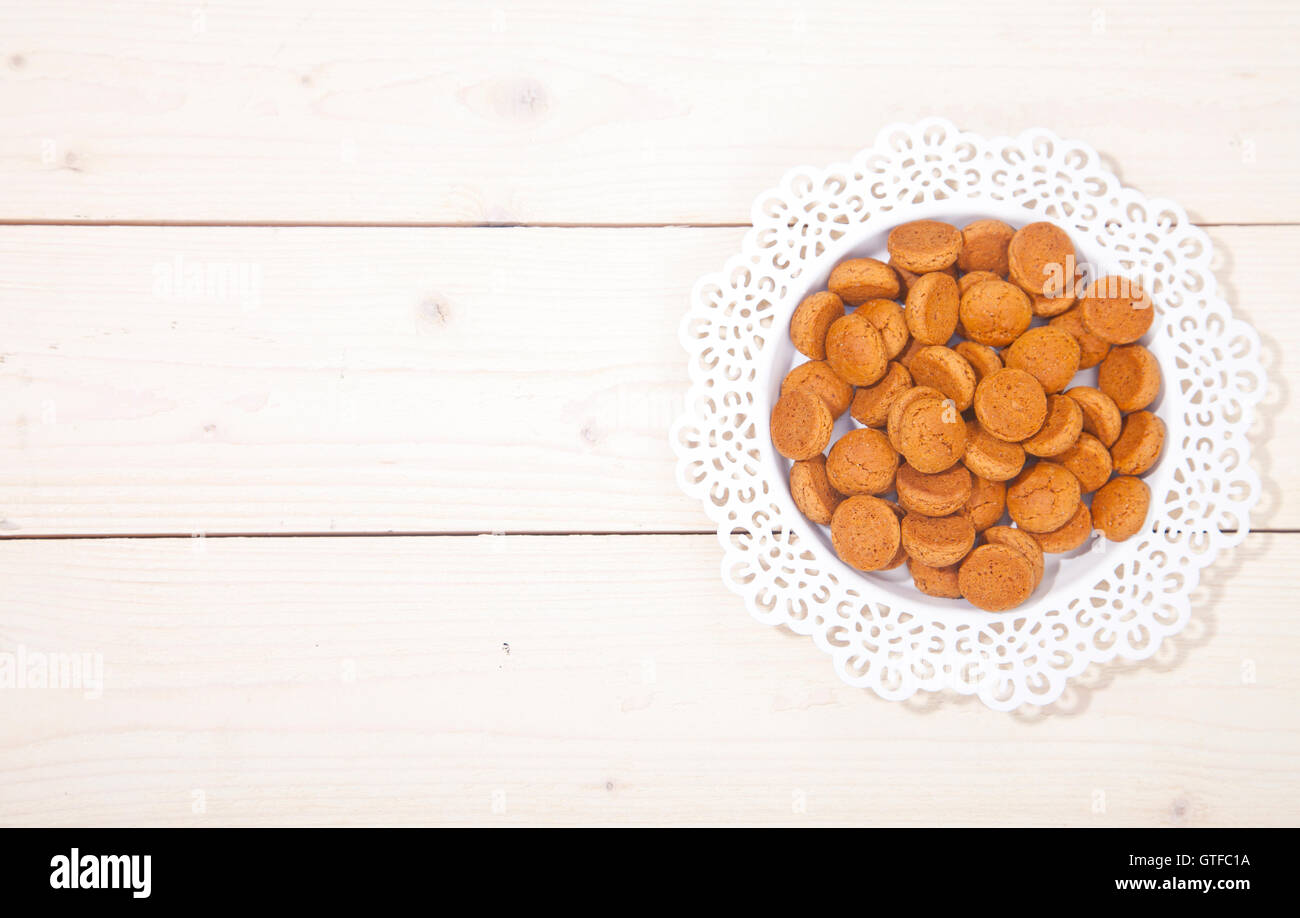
1101, 601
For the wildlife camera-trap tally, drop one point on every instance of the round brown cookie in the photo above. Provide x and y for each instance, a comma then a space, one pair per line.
812, 490
1139, 444
987, 503
871, 403
995, 578
966, 281
855, 351
1060, 430
991, 458
938, 494
982, 358
1092, 350
944, 369
818, 376
1048, 306
1089, 461
1040, 257
994, 313
860, 279
937, 540
810, 321
865, 533
909, 353
932, 308
1042, 497
1050, 355
934, 581
1071, 535
923, 246
1130, 376
1021, 541
1119, 508
1101, 416
887, 317
932, 434
862, 462
1116, 309
801, 424
984, 246
1010, 404
894, 422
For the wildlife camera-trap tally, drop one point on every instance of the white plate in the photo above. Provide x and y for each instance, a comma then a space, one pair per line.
1102, 600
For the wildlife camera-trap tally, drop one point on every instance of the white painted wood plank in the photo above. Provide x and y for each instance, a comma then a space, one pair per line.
591, 679
404, 110
397, 379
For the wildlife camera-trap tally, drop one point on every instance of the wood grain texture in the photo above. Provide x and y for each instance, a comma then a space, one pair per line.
402, 110
588, 679
378, 380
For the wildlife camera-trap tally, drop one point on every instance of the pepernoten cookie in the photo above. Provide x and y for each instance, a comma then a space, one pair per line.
932, 308
801, 424
1087, 460
894, 422
812, 491
1101, 416
1139, 444
861, 279
862, 462
1010, 404
1119, 508
1022, 542
937, 540
986, 504
991, 458
1116, 310
1130, 376
855, 350
1050, 355
923, 246
995, 578
994, 313
1043, 497
865, 533
818, 376
811, 320
1061, 429
982, 358
1039, 258
984, 246
934, 581
944, 369
871, 404
937, 494
931, 434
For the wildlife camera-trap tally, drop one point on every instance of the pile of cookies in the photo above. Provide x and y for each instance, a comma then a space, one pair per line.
966, 408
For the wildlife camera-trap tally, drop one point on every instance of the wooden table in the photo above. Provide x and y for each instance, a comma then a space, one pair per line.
377, 523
